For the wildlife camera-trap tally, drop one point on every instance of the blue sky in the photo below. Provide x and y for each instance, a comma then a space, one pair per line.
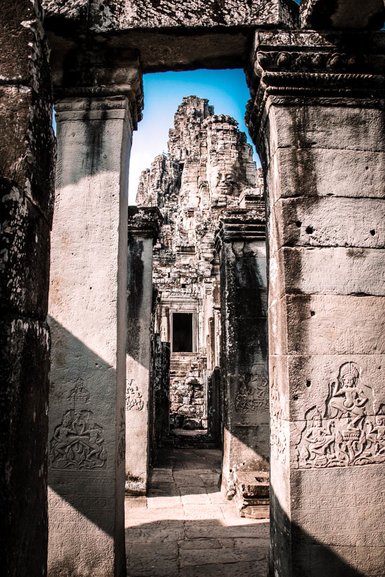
225, 89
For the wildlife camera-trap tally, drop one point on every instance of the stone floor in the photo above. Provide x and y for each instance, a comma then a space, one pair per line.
185, 528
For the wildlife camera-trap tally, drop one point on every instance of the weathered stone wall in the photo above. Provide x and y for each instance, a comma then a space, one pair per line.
26, 187
209, 168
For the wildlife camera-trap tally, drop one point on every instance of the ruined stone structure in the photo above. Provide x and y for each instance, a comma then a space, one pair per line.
316, 114
208, 171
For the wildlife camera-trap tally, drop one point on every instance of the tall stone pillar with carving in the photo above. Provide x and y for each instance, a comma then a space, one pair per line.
87, 308
26, 191
317, 117
240, 243
143, 229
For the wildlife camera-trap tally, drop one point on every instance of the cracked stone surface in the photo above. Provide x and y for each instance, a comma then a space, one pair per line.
186, 527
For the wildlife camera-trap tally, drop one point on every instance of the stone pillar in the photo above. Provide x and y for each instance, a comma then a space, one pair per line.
26, 191
88, 325
160, 387
318, 120
143, 229
241, 247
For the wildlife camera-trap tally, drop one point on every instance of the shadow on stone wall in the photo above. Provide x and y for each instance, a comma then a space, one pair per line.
300, 554
83, 455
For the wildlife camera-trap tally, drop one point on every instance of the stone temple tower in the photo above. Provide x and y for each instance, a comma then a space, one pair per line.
208, 171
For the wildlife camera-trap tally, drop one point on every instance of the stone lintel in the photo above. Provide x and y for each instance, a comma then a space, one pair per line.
144, 221
342, 14
168, 14
330, 68
241, 225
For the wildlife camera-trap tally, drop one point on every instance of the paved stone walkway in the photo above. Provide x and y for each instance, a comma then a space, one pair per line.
185, 528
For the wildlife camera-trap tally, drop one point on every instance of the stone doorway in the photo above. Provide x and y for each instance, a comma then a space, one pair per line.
207, 382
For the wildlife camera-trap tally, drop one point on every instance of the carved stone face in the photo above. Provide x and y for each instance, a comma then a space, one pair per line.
348, 381
223, 181
226, 183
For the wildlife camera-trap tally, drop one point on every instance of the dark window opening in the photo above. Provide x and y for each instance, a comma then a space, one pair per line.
182, 333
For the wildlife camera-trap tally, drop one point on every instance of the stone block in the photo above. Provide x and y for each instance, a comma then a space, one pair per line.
356, 173
325, 127
24, 255
329, 222
248, 447
320, 500
27, 144
332, 271
173, 14
23, 51
327, 325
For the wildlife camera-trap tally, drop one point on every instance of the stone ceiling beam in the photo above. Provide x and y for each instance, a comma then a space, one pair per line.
109, 16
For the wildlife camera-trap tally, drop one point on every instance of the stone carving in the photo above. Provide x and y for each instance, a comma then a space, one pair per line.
346, 434
121, 448
277, 433
252, 393
134, 398
78, 441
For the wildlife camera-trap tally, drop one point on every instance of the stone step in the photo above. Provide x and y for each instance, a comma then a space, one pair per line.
252, 494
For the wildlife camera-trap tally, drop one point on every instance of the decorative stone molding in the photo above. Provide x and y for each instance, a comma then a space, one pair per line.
144, 221
337, 68
239, 225
103, 75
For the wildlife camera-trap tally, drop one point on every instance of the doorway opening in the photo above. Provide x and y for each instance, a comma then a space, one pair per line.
182, 333
206, 172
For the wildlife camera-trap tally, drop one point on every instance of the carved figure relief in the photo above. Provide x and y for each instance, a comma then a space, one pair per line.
346, 435
277, 433
252, 393
134, 398
78, 441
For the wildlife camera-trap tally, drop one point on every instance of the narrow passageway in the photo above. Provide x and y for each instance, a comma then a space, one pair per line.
186, 528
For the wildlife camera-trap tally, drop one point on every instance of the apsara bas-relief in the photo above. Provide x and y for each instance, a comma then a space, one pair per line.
350, 430
78, 441
252, 393
277, 432
134, 398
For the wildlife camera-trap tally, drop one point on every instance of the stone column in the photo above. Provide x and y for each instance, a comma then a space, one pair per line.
143, 229
87, 310
241, 247
160, 387
26, 191
318, 120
